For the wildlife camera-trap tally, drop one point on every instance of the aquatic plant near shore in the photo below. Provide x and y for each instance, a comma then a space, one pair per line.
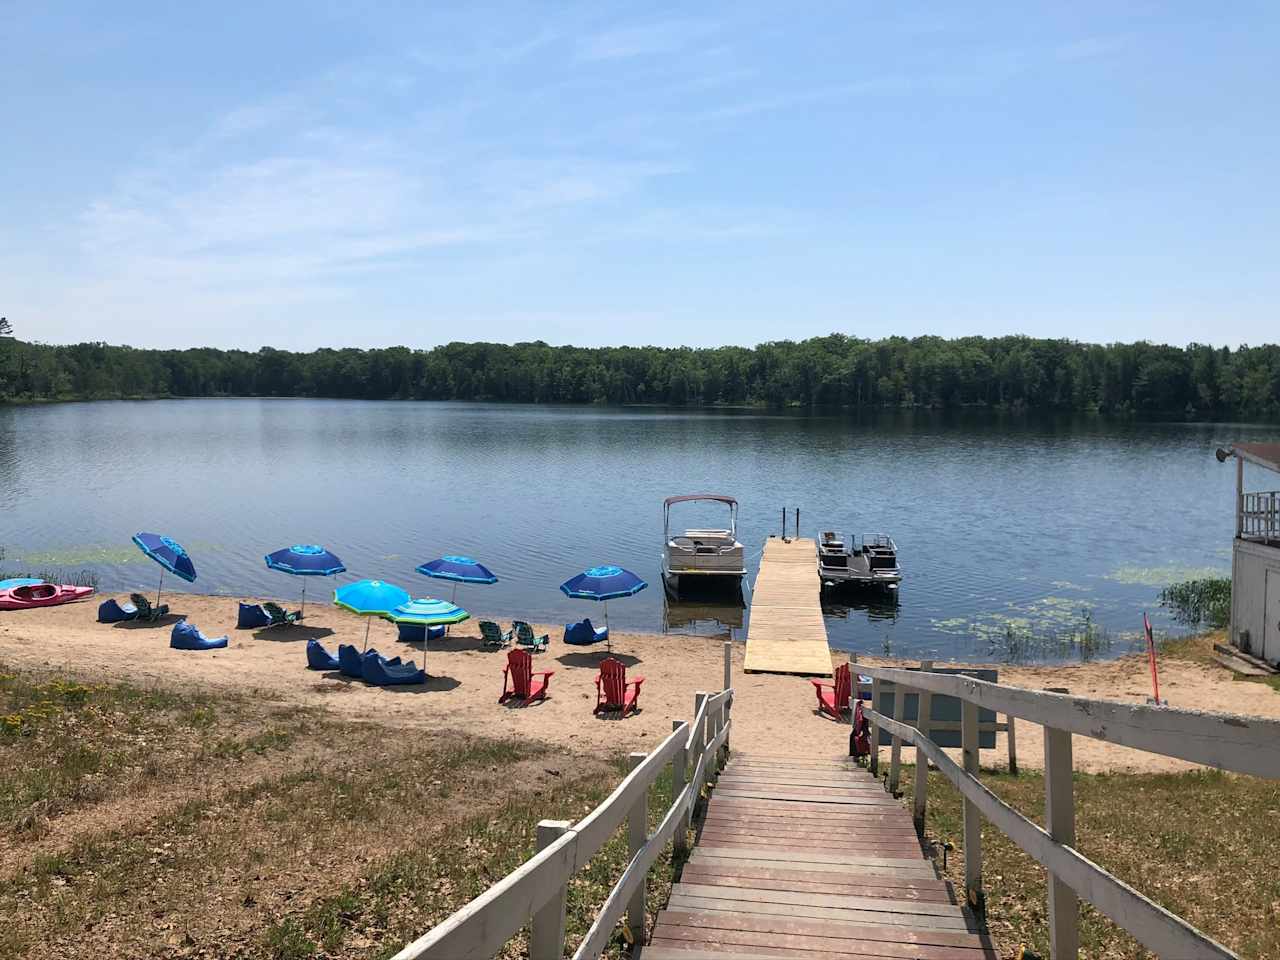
80, 578
1205, 601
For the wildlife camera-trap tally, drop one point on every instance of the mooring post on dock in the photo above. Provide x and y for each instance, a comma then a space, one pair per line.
728, 683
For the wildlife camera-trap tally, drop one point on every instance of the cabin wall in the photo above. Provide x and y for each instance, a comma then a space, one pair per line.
1255, 572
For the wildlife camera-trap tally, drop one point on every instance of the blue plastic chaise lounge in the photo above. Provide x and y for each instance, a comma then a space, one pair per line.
583, 634
111, 611
381, 672
187, 636
318, 658
251, 616
420, 632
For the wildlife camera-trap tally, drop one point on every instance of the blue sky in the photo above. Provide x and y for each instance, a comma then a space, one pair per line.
372, 174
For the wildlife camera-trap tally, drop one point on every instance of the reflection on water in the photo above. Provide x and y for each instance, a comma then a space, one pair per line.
703, 618
1008, 528
876, 605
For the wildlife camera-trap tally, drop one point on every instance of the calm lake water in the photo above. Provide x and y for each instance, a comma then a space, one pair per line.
1012, 533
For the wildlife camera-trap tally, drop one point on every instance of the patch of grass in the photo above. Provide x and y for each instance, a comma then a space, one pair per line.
1198, 843
287, 941
1205, 601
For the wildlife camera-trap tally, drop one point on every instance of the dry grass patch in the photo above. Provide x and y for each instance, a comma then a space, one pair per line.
150, 823
1200, 844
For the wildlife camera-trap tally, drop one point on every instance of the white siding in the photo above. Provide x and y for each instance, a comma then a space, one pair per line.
1249, 564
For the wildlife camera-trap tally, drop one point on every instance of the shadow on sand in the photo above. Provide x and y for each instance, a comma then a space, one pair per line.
594, 658
434, 684
291, 633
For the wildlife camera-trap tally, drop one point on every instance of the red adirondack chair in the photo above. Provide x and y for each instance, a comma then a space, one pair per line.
833, 698
613, 690
519, 680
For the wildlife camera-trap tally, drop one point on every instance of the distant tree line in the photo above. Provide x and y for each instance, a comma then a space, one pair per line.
1017, 373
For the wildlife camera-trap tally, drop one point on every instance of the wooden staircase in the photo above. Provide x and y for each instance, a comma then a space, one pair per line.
809, 857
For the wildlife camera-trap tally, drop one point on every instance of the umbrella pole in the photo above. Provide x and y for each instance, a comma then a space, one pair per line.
608, 635
159, 588
303, 609
367, 623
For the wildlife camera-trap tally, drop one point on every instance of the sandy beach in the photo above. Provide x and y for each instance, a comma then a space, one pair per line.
772, 713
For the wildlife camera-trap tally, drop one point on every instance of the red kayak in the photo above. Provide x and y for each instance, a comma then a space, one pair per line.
42, 595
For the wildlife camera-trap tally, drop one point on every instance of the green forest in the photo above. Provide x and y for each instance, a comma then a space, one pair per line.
1015, 373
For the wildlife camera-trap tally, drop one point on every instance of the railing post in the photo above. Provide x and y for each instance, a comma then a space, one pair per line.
1013, 744
699, 743
546, 938
637, 834
1060, 821
972, 818
924, 708
895, 750
679, 777
873, 729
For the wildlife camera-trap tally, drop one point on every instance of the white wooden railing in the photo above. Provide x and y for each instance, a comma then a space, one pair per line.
1259, 516
1242, 744
536, 890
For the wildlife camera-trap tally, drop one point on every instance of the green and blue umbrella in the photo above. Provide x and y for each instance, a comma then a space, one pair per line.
305, 560
169, 554
428, 612
370, 598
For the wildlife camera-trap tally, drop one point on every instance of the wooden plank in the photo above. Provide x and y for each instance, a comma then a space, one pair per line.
851, 939
813, 856
857, 869
806, 881
808, 911
786, 632
838, 902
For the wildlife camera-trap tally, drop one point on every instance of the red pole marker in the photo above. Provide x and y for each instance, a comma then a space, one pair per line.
1151, 655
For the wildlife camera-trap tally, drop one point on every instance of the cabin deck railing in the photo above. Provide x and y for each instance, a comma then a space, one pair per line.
536, 890
1260, 515
1247, 745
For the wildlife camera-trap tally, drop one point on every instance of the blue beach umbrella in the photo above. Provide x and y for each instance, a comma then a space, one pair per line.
459, 570
305, 560
169, 554
370, 598
603, 583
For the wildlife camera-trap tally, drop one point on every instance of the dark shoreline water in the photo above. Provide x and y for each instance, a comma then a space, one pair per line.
1018, 534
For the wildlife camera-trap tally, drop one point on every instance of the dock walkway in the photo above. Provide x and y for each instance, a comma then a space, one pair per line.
809, 858
786, 633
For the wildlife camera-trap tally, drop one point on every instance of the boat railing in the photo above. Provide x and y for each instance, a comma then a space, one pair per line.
1249, 745
537, 890
1260, 515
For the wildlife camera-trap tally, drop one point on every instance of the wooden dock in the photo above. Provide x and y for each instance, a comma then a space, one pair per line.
786, 633
809, 857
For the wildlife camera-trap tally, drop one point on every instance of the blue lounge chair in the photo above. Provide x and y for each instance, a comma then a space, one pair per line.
187, 636
252, 616
349, 661
318, 658
420, 632
583, 634
381, 672
110, 611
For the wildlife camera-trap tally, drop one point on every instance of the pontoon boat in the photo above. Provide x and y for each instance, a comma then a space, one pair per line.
870, 560
710, 557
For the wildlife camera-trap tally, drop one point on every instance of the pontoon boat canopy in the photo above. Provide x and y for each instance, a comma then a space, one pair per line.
718, 497
1263, 454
